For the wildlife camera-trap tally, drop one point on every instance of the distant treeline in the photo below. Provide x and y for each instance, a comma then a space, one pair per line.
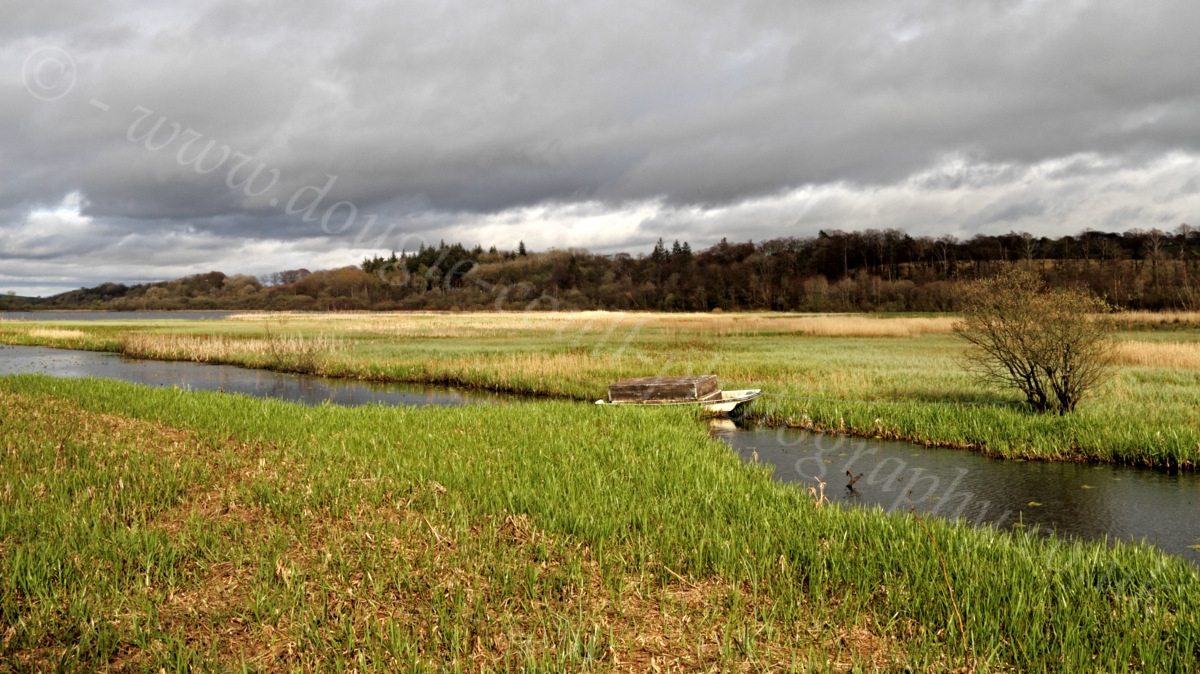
872, 270
14, 302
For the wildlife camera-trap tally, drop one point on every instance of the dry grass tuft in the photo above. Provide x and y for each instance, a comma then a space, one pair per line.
1157, 317
65, 421
221, 348
433, 325
1173, 355
655, 621
730, 325
863, 326
53, 333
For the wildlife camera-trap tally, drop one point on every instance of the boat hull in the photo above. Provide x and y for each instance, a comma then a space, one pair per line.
730, 400
721, 402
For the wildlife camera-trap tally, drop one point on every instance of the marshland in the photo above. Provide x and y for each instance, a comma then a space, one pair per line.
897, 377
161, 528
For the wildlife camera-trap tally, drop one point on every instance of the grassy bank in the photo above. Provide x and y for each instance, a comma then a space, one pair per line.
896, 377
144, 529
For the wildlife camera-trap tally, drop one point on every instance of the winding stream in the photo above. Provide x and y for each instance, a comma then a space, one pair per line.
306, 389
1084, 501
1078, 500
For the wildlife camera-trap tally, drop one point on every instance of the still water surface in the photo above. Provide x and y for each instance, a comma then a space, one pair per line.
1077, 500
231, 379
113, 315
1090, 502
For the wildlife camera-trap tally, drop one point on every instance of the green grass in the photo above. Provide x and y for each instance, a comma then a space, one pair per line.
145, 529
902, 387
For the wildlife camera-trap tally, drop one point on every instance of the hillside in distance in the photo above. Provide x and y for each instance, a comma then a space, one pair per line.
837, 271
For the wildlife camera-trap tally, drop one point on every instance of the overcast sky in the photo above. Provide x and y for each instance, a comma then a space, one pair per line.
148, 140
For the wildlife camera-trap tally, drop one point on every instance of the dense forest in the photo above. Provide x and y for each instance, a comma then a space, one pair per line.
872, 270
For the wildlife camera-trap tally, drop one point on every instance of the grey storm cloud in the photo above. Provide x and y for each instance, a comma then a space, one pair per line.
578, 123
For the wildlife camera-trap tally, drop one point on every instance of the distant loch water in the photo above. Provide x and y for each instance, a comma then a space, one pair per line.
114, 315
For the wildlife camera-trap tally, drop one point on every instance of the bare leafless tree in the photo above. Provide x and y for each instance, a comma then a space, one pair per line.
1155, 240
1028, 248
1053, 346
1184, 233
944, 245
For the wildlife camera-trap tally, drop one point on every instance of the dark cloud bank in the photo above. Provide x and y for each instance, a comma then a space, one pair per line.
576, 123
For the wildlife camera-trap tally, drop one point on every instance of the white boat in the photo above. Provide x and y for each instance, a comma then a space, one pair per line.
731, 399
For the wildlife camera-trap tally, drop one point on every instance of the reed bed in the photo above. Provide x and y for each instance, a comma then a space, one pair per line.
861, 326
225, 349
912, 386
50, 334
1173, 355
824, 325
416, 324
56, 333
1158, 318
424, 324
150, 528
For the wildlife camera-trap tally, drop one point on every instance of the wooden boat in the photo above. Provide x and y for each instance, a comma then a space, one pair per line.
699, 390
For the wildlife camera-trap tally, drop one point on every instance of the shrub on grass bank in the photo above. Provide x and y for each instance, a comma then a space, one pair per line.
1054, 346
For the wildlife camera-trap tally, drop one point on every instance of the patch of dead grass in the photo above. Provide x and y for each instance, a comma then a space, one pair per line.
64, 420
56, 333
567, 324
1173, 355
658, 620
222, 348
1157, 317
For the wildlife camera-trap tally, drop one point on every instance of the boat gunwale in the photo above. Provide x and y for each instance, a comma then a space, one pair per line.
746, 395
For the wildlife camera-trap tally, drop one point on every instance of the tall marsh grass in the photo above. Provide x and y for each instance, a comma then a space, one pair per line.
417, 324
296, 351
1173, 355
146, 528
898, 376
1158, 318
862, 326
56, 333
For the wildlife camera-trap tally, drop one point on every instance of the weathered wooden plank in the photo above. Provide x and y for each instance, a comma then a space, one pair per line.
659, 389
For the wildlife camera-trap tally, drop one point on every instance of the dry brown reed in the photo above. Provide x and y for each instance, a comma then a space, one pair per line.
1173, 355
863, 326
1157, 317
53, 333
824, 325
221, 348
440, 325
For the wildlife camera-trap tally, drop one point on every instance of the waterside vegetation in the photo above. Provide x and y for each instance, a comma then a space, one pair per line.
153, 529
899, 377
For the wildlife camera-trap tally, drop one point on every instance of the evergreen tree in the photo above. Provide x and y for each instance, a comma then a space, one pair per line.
684, 255
660, 251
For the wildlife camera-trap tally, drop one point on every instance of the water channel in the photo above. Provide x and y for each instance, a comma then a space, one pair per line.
1078, 500
305, 389
114, 315
1084, 501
